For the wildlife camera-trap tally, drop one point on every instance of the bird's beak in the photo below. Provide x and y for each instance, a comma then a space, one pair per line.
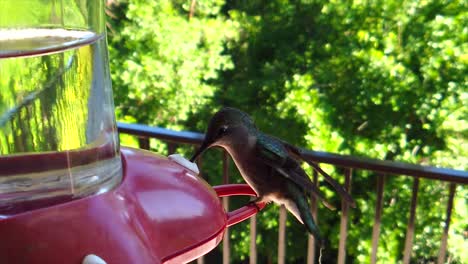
202, 148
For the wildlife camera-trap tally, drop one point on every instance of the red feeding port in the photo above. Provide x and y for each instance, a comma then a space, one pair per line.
160, 213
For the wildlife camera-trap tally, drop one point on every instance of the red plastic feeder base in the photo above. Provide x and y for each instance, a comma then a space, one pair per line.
160, 213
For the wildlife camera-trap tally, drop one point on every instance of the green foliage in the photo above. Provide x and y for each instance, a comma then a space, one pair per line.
383, 79
163, 60
44, 102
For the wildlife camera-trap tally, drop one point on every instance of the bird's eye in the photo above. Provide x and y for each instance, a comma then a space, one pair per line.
222, 131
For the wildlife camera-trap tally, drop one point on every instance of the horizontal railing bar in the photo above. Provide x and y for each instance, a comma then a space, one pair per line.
383, 166
388, 167
186, 137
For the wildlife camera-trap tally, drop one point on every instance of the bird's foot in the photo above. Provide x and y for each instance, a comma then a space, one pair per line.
254, 203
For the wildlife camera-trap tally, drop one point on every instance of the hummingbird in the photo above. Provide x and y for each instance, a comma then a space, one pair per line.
269, 165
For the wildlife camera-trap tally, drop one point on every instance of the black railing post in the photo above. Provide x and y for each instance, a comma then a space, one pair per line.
410, 228
226, 240
144, 143
344, 219
313, 209
171, 148
377, 218
448, 218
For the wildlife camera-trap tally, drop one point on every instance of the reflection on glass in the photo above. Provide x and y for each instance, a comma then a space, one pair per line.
57, 129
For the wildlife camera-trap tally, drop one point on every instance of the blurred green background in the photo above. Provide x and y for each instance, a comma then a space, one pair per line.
381, 79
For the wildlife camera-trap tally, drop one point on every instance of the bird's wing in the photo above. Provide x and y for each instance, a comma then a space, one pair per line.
273, 153
298, 154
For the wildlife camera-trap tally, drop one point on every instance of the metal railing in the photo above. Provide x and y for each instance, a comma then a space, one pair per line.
348, 163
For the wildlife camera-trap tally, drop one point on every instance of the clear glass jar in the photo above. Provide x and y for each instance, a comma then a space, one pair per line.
58, 136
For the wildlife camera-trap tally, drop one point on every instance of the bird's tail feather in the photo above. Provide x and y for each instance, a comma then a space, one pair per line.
334, 184
308, 187
304, 212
